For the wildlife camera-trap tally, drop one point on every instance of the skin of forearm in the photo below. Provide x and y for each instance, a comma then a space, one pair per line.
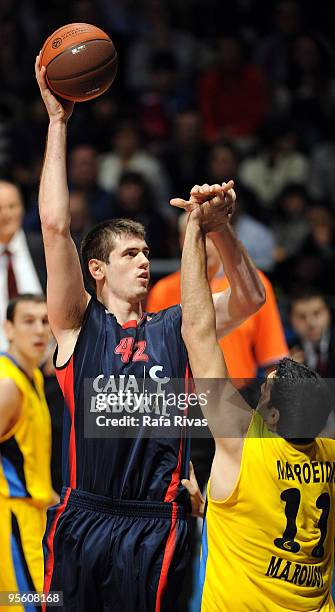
196, 297
247, 291
54, 194
198, 321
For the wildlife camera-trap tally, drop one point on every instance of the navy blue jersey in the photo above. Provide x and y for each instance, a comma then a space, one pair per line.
141, 468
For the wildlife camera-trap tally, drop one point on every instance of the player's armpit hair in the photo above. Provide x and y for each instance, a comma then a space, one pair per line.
75, 315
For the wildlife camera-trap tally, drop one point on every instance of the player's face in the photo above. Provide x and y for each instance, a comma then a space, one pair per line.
310, 318
29, 333
11, 212
128, 271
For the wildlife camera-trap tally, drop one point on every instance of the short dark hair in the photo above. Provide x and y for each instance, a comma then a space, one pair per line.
302, 398
22, 297
100, 241
306, 293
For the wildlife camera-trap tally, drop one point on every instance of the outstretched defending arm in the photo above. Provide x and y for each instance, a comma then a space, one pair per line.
67, 298
246, 293
228, 415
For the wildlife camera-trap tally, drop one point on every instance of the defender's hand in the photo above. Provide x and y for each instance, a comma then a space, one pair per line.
212, 205
197, 500
58, 109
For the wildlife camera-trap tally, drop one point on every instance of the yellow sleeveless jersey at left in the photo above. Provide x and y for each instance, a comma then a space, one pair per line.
25, 485
26, 449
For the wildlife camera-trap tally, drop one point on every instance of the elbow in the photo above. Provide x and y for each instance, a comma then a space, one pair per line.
56, 227
195, 332
258, 299
191, 331
260, 296
251, 306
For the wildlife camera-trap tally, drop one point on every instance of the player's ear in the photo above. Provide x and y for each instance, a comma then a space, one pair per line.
273, 416
96, 268
9, 330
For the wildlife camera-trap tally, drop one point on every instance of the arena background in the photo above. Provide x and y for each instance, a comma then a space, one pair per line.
205, 91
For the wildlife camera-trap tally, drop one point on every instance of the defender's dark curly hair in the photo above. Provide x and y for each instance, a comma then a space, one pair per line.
302, 398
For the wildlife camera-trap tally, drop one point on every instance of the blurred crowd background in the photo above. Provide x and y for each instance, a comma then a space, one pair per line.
205, 92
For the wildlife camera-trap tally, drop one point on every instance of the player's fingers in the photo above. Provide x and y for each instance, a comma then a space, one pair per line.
37, 66
180, 203
40, 75
188, 486
231, 196
193, 478
195, 189
227, 186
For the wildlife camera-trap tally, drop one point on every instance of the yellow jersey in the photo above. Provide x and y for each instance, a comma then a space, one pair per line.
269, 547
25, 451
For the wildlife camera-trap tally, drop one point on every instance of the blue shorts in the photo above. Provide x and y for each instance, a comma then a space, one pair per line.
115, 556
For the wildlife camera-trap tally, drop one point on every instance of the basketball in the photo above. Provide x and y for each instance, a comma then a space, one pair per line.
80, 61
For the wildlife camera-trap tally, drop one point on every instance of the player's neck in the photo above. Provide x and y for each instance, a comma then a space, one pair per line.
24, 362
122, 310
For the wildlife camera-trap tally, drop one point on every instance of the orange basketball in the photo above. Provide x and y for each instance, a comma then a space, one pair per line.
80, 61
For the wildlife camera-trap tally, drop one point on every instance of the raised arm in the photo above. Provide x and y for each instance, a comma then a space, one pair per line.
66, 295
228, 415
246, 293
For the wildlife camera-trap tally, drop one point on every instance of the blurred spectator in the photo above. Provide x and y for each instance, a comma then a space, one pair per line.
257, 238
308, 94
81, 218
85, 11
15, 65
159, 105
185, 158
273, 51
277, 164
321, 183
290, 222
223, 162
29, 135
312, 322
128, 155
157, 35
105, 113
134, 200
83, 176
232, 95
22, 263
315, 263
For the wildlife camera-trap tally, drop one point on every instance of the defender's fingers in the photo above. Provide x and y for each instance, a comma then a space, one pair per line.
184, 204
